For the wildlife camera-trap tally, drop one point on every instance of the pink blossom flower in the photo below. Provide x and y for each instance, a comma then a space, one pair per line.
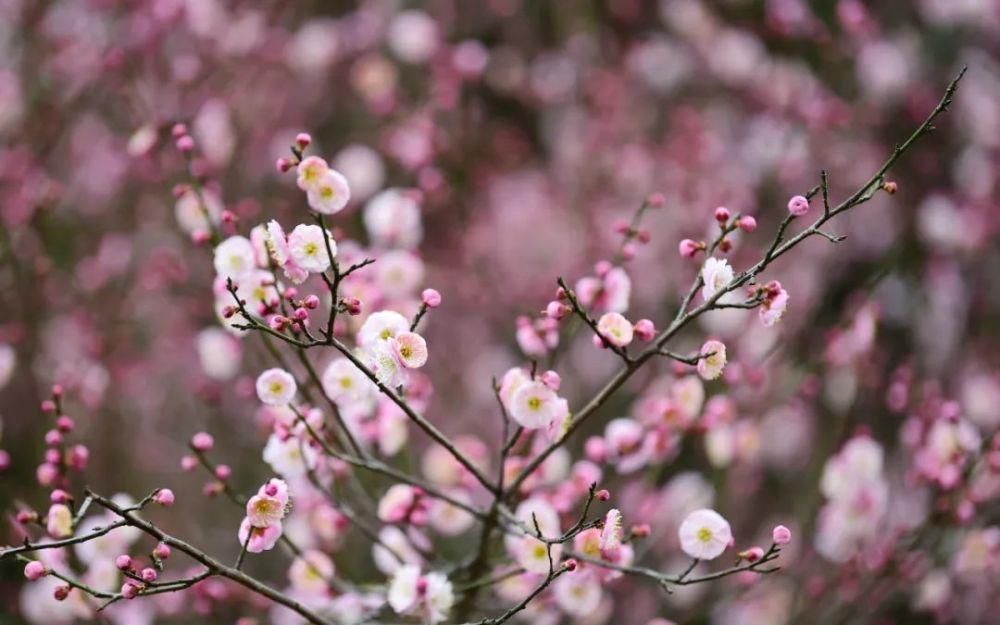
615, 328
307, 248
710, 367
260, 538
276, 387
410, 348
534, 405
330, 193
798, 205
311, 172
781, 535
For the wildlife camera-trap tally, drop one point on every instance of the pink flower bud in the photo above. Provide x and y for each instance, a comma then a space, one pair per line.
123, 562
4, 460
59, 496
65, 424
303, 140
621, 226
178, 131
629, 251
556, 310
185, 144
311, 302
301, 314
688, 248
656, 200
353, 306
890, 187
781, 535
228, 217
189, 463
725, 245
164, 497
34, 570
130, 590
202, 441
641, 530
148, 574
278, 323
722, 215
78, 457
603, 495
161, 551
798, 205
747, 223
27, 516
598, 341
645, 330
53, 438
223, 472
752, 554
643, 236
552, 380
431, 298
595, 449
59, 593
283, 165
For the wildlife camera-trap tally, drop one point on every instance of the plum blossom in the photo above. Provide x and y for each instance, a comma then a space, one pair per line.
289, 457
410, 349
381, 326
704, 534
310, 571
307, 248
534, 405
264, 510
774, 303
234, 257
428, 596
609, 291
276, 387
260, 538
710, 367
59, 521
716, 274
311, 172
330, 193
615, 328
532, 554
392, 219
611, 533
383, 361
578, 593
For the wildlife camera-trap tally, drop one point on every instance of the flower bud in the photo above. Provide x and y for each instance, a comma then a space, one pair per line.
202, 441
747, 223
164, 497
798, 205
34, 570
130, 590
781, 535
645, 330
303, 140
688, 248
722, 215
123, 562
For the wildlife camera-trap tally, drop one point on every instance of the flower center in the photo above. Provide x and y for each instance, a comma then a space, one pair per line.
704, 534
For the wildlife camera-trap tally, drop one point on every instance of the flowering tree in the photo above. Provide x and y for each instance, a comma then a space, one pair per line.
560, 511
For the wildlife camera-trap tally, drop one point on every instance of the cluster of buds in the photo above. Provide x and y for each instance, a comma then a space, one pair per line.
689, 248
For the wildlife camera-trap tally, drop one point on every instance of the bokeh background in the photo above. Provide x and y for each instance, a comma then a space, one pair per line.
531, 126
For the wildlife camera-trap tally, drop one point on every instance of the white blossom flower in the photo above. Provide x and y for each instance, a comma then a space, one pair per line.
433, 601
218, 351
310, 571
391, 537
348, 386
381, 326
382, 360
716, 274
527, 550
290, 458
276, 387
611, 533
392, 219
330, 193
710, 367
615, 328
234, 257
534, 405
578, 593
198, 212
308, 249
704, 534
